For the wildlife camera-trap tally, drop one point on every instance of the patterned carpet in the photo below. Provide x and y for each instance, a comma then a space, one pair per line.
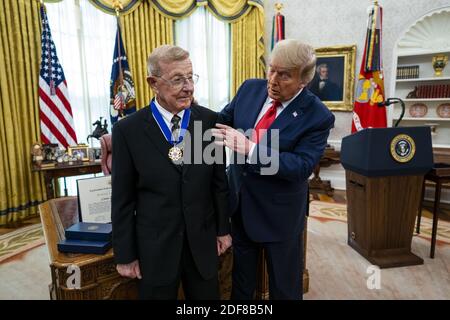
25, 272
325, 211
29, 237
20, 240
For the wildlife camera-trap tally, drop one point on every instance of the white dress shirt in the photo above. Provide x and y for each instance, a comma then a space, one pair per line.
167, 115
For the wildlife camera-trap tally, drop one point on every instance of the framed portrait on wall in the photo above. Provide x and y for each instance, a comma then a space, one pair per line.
334, 80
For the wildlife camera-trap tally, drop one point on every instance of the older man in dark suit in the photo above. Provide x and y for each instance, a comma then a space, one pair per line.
170, 216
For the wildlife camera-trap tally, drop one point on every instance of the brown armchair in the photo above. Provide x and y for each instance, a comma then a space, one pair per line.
106, 147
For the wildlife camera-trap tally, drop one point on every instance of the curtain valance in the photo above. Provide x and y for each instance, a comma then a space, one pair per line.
228, 10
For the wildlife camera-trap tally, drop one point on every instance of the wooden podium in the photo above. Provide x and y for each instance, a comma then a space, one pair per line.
384, 172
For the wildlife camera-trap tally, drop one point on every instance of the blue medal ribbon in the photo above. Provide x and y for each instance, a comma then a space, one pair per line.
165, 129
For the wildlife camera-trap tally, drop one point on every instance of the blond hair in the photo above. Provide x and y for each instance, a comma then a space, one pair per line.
296, 55
166, 54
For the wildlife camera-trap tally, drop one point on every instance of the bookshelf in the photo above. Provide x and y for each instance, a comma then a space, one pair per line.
426, 95
430, 85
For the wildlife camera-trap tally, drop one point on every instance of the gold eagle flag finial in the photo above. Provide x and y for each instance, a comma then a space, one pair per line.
278, 7
118, 6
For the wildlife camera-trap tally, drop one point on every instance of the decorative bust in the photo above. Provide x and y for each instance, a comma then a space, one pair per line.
37, 153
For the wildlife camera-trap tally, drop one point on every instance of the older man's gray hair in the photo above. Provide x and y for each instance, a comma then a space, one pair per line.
166, 54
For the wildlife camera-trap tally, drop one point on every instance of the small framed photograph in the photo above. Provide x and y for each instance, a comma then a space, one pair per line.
334, 81
80, 152
50, 152
94, 199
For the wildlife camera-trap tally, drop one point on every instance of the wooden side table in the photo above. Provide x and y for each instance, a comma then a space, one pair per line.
440, 174
60, 171
316, 184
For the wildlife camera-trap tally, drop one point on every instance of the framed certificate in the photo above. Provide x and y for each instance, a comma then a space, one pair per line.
94, 199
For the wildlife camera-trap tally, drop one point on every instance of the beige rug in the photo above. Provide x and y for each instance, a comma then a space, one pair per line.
20, 240
336, 270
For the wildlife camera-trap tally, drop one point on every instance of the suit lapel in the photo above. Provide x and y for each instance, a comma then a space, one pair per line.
293, 112
194, 116
153, 132
257, 100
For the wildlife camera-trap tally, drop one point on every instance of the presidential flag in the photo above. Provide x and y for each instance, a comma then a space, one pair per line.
55, 112
122, 95
370, 87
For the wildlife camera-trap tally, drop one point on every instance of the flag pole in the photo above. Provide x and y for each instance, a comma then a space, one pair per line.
372, 36
277, 25
49, 58
118, 6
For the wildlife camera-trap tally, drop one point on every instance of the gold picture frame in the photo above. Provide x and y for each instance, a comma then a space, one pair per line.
81, 150
337, 91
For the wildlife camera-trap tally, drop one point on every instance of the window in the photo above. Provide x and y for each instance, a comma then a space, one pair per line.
208, 41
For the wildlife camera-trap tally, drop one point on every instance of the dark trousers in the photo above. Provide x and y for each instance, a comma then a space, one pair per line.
284, 265
194, 286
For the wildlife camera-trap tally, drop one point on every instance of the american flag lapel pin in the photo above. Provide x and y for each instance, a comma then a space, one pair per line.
295, 114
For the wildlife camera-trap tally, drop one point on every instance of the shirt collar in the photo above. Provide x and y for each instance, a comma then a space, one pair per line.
286, 103
166, 114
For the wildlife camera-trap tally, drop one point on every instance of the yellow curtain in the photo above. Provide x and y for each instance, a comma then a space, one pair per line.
20, 189
143, 30
247, 44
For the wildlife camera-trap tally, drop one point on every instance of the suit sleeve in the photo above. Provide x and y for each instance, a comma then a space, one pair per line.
297, 164
226, 116
123, 199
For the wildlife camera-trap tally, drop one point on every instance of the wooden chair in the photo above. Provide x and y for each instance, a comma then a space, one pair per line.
106, 147
440, 174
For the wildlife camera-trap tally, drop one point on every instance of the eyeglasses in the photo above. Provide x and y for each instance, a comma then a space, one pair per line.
179, 81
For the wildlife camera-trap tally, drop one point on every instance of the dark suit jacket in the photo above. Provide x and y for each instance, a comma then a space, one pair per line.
273, 207
156, 204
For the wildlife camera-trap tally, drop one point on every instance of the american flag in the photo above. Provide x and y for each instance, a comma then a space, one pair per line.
57, 124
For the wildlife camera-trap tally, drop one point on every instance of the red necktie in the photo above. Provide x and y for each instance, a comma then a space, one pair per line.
266, 121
